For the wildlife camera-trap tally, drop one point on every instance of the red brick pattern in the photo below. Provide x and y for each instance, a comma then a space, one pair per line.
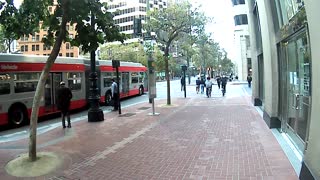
197, 138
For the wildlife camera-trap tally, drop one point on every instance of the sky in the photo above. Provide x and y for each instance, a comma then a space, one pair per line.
222, 26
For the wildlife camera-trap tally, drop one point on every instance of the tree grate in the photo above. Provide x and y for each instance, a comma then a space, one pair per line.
62, 178
127, 114
143, 108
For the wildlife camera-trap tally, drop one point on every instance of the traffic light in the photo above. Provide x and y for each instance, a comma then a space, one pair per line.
137, 26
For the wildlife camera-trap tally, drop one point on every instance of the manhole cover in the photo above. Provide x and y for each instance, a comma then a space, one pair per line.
127, 114
143, 108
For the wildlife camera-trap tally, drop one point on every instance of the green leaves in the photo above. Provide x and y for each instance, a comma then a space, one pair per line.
132, 52
176, 20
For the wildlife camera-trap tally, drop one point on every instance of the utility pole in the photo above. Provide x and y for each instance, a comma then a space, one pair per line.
149, 43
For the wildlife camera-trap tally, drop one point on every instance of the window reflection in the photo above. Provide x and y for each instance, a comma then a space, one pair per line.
25, 82
74, 80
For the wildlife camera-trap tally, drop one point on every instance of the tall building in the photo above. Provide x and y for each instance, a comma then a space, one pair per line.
286, 87
32, 44
128, 10
242, 57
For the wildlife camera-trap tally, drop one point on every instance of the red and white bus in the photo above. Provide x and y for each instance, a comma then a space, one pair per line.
19, 75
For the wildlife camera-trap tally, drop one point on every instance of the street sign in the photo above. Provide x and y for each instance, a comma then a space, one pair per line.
115, 63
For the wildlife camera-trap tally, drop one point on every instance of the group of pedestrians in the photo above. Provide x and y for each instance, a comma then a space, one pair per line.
200, 84
64, 94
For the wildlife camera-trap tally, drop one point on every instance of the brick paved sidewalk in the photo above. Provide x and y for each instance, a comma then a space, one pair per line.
196, 138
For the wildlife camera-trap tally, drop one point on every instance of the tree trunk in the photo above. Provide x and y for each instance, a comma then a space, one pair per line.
166, 59
40, 87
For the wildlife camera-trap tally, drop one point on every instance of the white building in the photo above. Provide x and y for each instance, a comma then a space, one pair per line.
242, 55
128, 10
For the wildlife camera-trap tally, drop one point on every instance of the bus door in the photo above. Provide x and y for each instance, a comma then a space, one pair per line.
125, 83
51, 86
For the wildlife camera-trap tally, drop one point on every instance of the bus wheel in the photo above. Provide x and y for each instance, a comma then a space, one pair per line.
141, 90
18, 115
107, 99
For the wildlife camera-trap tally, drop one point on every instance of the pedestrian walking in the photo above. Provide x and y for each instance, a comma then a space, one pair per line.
208, 87
218, 78
183, 83
202, 85
64, 96
249, 79
198, 85
224, 81
115, 95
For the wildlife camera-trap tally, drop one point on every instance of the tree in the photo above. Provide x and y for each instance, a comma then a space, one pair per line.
132, 52
9, 24
3, 44
186, 44
79, 13
206, 53
227, 65
170, 24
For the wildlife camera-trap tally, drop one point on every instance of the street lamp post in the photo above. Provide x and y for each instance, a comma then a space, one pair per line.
184, 68
116, 64
94, 113
188, 65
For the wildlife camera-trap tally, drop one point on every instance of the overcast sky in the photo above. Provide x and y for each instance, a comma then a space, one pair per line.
223, 25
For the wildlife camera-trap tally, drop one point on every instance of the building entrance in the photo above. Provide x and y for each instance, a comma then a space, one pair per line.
297, 93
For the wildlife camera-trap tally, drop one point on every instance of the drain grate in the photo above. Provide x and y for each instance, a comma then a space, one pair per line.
127, 114
143, 108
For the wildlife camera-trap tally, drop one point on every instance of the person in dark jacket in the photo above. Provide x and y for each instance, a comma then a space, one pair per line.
64, 96
249, 79
198, 81
183, 83
218, 78
224, 81
202, 85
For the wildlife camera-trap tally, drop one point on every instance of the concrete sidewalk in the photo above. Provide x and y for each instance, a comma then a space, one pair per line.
195, 138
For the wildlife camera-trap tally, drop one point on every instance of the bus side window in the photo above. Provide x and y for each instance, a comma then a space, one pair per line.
141, 77
25, 82
107, 82
74, 81
134, 80
4, 88
4, 84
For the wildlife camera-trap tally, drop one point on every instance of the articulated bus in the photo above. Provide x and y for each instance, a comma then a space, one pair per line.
19, 76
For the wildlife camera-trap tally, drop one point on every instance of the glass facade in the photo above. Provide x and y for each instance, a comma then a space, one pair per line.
287, 9
294, 70
237, 2
241, 19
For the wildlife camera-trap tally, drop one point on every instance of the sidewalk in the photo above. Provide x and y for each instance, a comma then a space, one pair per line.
195, 138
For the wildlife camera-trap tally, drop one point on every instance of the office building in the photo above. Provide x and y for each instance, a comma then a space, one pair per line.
32, 44
127, 10
242, 54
